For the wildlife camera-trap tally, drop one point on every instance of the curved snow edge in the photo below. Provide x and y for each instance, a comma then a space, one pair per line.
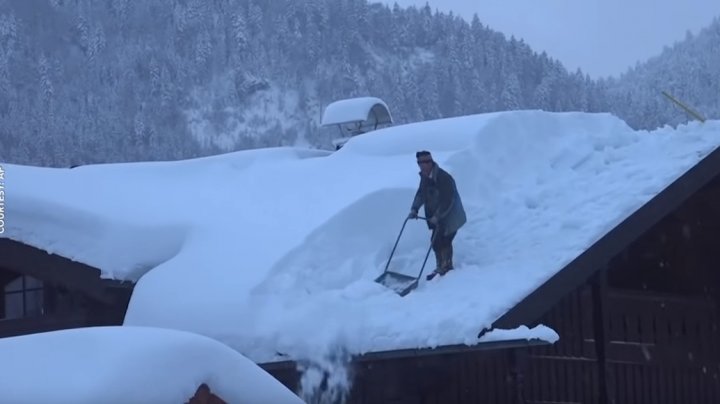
121, 364
119, 250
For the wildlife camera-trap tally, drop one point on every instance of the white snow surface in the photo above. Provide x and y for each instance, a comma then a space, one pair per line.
129, 365
349, 110
275, 251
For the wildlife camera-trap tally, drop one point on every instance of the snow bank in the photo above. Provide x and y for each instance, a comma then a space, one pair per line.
129, 365
127, 218
271, 251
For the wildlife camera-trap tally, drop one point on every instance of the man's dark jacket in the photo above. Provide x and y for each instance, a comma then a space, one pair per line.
440, 196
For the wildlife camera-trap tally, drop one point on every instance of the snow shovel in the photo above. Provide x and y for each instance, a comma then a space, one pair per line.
402, 284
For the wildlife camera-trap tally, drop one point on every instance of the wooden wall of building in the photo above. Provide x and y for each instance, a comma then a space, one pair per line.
567, 371
459, 377
662, 349
36, 306
662, 306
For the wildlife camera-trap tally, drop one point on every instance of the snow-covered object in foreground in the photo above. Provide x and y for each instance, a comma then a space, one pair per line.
120, 365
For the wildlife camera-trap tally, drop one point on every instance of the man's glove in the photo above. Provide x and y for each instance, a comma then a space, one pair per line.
434, 220
413, 214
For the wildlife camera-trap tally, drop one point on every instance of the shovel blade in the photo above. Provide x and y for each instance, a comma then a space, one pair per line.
400, 283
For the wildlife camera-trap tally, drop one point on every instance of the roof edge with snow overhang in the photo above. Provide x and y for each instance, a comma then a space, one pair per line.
421, 352
596, 257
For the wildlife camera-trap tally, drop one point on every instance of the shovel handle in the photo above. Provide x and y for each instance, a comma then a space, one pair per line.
387, 264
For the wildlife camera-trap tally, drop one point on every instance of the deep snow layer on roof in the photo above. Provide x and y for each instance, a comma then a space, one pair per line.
276, 250
119, 365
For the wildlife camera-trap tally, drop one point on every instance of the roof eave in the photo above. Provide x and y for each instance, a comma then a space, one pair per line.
423, 352
595, 258
25, 259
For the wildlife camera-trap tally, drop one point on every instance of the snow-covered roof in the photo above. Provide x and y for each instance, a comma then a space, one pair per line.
277, 250
119, 365
357, 110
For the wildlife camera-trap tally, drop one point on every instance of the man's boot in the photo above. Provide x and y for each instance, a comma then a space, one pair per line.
442, 267
438, 265
446, 264
438, 261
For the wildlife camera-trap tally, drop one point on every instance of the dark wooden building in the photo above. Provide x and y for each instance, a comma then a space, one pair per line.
45, 292
637, 315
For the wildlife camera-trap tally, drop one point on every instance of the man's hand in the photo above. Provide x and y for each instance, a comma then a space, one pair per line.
434, 220
413, 214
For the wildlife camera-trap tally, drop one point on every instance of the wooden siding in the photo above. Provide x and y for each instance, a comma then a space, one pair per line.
486, 376
642, 347
663, 349
568, 371
32, 325
80, 300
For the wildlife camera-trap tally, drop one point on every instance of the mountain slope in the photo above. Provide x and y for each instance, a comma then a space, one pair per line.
687, 70
91, 81
88, 81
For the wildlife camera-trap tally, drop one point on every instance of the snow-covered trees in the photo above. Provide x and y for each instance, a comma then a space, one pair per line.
121, 80
688, 70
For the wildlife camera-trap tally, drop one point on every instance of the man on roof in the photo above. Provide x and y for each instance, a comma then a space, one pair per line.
443, 209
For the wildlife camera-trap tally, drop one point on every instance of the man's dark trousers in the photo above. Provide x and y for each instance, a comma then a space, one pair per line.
443, 249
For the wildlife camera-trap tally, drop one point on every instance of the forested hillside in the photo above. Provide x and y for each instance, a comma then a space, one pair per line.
85, 81
689, 70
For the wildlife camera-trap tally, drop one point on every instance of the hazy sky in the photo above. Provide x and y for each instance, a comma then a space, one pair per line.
602, 37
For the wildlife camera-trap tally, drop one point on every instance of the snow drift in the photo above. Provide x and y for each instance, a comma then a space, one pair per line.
276, 250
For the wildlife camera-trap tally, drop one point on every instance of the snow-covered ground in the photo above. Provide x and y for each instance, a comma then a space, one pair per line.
119, 365
276, 250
